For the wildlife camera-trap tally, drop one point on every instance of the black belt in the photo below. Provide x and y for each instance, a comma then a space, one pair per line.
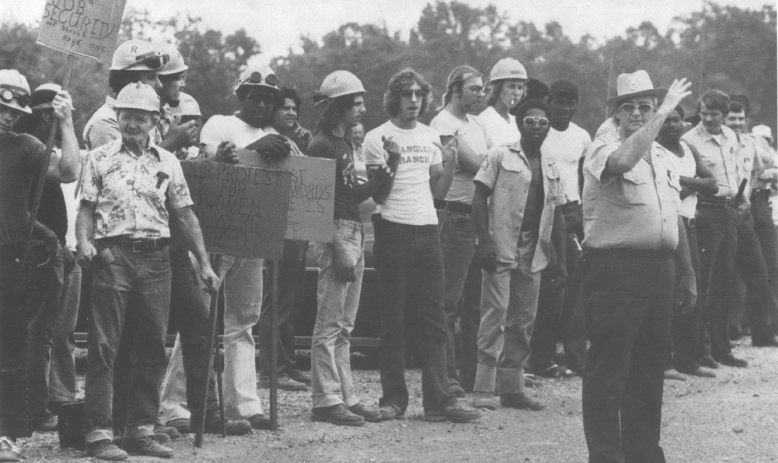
721, 202
761, 193
137, 244
453, 206
570, 205
629, 253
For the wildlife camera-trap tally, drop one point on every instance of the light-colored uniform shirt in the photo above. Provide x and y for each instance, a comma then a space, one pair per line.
499, 132
410, 201
471, 132
566, 150
507, 172
637, 209
129, 193
719, 154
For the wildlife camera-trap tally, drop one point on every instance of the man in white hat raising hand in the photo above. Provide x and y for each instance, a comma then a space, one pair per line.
123, 233
633, 230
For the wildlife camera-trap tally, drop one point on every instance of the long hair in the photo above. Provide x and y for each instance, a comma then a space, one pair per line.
456, 81
495, 90
118, 79
401, 81
334, 112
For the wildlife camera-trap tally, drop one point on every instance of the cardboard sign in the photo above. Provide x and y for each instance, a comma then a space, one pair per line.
242, 210
312, 201
87, 28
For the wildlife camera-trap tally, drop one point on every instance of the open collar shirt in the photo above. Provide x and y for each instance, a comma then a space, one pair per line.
635, 210
719, 153
507, 172
131, 191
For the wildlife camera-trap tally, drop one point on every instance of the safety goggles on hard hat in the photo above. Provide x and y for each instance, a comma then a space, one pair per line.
152, 60
256, 78
7, 95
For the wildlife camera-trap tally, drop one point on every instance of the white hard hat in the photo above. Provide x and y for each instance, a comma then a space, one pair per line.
138, 96
187, 106
176, 63
258, 75
137, 55
507, 68
763, 131
340, 83
14, 90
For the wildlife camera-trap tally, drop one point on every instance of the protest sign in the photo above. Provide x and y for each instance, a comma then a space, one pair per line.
242, 210
312, 196
87, 28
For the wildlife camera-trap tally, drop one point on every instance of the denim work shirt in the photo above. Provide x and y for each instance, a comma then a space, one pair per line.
637, 209
131, 191
507, 172
719, 153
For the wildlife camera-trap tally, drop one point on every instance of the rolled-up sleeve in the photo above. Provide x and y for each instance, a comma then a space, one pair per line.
597, 158
490, 168
178, 191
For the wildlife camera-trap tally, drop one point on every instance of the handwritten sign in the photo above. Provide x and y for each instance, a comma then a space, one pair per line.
242, 210
87, 28
312, 198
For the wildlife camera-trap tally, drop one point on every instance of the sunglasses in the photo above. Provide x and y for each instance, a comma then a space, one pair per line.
629, 108
539, 121
265, 98
419, 94
7, 95
152, 60
256, 78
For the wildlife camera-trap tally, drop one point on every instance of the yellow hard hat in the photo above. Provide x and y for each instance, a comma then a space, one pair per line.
258, 75
507, 68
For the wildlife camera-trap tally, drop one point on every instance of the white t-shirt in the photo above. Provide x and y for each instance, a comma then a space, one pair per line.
471, 132
566, 150
686, 167
229, 128
410, 201
499, 131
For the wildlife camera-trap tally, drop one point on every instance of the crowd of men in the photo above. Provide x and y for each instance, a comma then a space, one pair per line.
509, 223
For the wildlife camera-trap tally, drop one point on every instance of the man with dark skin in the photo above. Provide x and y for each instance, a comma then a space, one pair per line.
694, 178
516, 229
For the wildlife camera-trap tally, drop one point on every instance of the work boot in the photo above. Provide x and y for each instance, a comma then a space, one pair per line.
169, 431
105, 450
338, 415
213, 423
521, 401
454, 412
182, 425
301, 377
369, 414
147, 446
484, 400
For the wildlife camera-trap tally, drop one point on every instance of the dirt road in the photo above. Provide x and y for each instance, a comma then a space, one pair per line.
732, 418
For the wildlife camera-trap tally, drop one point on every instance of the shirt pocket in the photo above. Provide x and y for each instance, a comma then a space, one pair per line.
634, 187
510, 175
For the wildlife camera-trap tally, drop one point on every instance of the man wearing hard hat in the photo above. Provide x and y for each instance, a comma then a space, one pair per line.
220, 139
508, 82
123, 234
341, 262
176, 135
24, 317
464, 91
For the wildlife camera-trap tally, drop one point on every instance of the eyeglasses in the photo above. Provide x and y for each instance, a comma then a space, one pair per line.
539, 121
629, 108
418, 93
476, 88
265, 98
8, 94
256, 78
152, 60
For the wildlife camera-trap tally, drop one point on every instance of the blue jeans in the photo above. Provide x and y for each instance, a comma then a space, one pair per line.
137, 282
409, 263
62, 368
26, 324
457, 243
337, 309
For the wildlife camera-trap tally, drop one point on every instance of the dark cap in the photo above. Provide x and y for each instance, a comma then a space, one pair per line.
563, 86
41, 97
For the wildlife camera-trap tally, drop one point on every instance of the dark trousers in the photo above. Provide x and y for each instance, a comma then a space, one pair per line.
26, 325
764, 228
291, 278
628, 304
62, 368
137, 283
560, 316
469, 323
748, 260
408, 262
686, 327
716, 240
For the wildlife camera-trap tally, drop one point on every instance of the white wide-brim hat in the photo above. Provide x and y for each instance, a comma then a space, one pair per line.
634, 85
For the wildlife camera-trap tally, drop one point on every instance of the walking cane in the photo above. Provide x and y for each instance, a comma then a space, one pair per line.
216, 263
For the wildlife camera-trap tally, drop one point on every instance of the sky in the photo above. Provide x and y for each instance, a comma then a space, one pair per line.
278, 24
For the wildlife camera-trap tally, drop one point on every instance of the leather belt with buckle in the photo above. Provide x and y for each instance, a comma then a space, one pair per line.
139, 244
453, 206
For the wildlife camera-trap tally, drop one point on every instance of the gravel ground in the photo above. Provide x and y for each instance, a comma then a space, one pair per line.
732, 418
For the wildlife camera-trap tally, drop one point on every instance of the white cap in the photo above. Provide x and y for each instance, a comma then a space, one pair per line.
763, 131
187, 106
507, 68
137, 55
340, 83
